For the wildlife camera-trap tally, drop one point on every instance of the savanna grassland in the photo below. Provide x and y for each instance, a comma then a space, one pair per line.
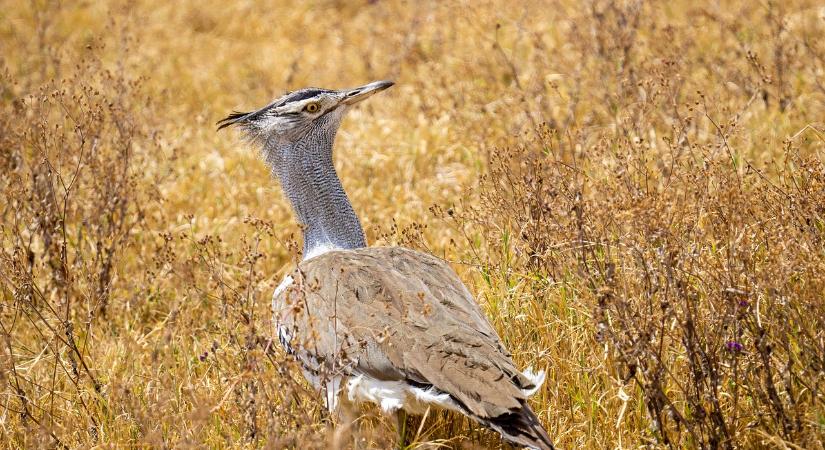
634, 190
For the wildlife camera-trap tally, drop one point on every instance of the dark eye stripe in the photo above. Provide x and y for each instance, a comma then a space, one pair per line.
303, 95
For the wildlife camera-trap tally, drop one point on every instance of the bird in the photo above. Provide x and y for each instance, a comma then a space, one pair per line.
384, 325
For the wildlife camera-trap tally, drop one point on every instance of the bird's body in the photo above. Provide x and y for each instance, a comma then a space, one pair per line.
396, 327
385, 325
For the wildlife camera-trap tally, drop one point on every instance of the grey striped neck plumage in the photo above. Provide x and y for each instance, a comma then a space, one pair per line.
310, 182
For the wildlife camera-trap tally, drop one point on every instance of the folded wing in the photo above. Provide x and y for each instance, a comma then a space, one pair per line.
394, 314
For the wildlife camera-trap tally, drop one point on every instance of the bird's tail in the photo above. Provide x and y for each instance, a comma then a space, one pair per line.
521, 427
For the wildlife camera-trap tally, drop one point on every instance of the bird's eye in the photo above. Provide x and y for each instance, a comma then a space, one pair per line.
312, 107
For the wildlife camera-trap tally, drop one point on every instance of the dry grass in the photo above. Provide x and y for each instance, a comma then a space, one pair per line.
635, 191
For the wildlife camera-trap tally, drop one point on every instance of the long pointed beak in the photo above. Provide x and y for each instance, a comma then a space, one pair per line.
358, 94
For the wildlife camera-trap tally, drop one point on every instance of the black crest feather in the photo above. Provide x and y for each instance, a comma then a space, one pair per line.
231, 119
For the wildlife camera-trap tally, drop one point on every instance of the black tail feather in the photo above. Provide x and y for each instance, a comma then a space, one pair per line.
521, 427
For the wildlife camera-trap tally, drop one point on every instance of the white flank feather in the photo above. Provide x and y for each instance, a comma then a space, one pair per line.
537, 378
287, 282
332, 388
389, 395
283, 333
394, 395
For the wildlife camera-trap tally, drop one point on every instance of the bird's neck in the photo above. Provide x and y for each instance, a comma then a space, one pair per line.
321, 206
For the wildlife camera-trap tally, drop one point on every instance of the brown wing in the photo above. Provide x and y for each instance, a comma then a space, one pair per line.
396, 314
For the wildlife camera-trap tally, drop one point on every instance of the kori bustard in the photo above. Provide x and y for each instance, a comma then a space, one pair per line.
386, 325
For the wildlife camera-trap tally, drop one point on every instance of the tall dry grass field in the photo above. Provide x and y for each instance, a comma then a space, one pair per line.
634, 190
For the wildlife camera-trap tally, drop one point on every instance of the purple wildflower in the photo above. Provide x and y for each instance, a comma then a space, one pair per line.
734, 346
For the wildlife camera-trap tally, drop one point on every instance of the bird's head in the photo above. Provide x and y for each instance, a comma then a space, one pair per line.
296, 115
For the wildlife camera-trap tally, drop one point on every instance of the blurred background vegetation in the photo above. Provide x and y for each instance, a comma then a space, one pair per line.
634, 190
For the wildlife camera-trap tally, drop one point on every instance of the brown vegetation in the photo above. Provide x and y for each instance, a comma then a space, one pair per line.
635, 192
